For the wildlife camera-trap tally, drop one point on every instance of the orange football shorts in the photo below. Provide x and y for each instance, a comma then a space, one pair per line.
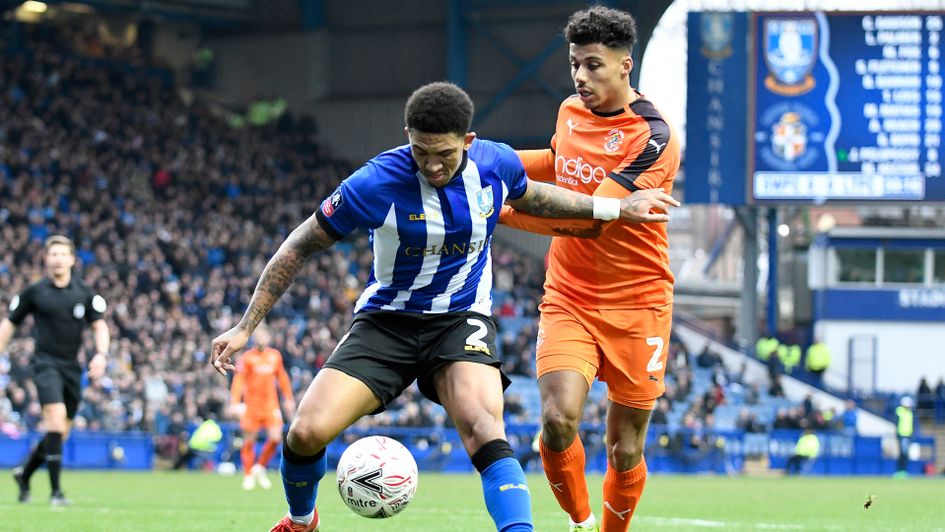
626, 348
254, 420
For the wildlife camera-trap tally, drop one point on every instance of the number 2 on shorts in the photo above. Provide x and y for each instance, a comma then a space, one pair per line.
655, 364
475, 339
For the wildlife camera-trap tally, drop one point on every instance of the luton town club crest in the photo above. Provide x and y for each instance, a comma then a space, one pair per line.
486, 202
789, 137
716, 32
612, 143
790, 46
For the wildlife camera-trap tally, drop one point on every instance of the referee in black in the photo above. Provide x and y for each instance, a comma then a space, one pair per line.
61, 306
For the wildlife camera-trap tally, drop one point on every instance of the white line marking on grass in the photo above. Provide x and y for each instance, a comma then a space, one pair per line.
705, 523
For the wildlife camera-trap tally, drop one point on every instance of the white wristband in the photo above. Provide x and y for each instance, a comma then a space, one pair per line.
606, 208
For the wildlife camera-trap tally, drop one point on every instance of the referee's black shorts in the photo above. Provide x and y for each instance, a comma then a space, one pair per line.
387, 350
58, 382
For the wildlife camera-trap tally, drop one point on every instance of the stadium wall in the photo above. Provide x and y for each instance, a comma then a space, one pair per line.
355, 75
176, 42
901, 360
294, 66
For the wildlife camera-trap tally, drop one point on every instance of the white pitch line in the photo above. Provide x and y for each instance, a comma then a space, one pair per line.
705, 523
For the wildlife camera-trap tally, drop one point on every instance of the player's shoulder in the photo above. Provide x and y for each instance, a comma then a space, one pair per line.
395, 161
572, 105
481, 148
391, 166
646, 109
490, 153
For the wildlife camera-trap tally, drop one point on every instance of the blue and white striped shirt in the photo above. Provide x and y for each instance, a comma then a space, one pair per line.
431, 245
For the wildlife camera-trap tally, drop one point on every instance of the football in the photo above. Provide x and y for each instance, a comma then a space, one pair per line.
377, 477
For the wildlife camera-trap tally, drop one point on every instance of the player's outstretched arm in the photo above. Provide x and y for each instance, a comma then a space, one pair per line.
550, 201
306, 239
589, 228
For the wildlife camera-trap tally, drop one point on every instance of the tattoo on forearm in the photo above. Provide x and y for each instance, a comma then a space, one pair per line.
282, 268
550, 201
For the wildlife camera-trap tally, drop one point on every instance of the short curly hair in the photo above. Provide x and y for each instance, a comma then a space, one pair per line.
439, 107
598, 24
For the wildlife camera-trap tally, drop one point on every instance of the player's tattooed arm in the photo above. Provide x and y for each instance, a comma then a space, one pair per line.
550, 201
306, 239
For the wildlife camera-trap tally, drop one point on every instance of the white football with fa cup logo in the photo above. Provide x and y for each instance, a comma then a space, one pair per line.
377, 477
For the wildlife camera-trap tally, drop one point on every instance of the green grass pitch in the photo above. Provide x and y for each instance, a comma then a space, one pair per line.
165, 501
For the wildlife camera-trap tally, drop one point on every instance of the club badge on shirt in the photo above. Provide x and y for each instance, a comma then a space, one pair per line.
613, 140
486, 202
78, 311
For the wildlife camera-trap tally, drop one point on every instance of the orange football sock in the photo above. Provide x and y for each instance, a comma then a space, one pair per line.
622, 492
268, 450
248, 455
565, 472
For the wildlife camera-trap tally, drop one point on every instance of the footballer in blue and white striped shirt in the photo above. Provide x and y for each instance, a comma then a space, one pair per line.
430, 207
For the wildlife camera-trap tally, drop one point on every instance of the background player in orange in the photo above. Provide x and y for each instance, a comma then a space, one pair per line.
607, 309
254, 397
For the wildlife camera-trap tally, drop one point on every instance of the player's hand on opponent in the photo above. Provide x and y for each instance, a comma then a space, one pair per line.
636, 207
97, 366
225, 346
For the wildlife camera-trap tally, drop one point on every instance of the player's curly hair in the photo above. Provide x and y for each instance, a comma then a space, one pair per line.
598, 24
439, 107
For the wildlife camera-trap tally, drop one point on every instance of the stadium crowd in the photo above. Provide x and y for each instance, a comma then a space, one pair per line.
172, 212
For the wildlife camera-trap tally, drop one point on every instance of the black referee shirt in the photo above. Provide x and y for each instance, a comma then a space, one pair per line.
59, 314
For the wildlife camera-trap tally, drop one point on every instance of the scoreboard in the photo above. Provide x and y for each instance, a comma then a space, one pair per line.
836, 107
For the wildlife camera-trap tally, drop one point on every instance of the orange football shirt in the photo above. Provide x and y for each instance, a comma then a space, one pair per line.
611, 155
255, 382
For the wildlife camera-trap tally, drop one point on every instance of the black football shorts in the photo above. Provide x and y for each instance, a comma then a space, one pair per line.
58, 383
387, 350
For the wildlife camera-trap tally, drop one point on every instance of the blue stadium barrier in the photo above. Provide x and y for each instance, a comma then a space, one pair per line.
88, 450
847, 454
440, 449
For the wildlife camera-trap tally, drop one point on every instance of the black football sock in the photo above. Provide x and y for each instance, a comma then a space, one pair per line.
54, 458
36, 459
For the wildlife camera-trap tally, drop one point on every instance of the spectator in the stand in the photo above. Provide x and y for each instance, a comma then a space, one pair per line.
764, 347
660, 415
776, 389
818, 360
775, 367
782, 419
808, 405
849, 416
790, 356
752, 393
678, 357
683, 385
748, 422
905, 427
925, 401
202, 443
708, 358
805, 451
